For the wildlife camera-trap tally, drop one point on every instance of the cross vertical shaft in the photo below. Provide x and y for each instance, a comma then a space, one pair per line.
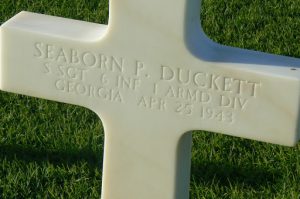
172, 17
131, 157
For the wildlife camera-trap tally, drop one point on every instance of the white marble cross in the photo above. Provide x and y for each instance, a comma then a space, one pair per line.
152, 76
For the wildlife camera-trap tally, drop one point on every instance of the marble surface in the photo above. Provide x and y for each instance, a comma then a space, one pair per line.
152, 76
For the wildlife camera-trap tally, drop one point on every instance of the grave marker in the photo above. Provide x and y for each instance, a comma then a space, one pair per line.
152, 76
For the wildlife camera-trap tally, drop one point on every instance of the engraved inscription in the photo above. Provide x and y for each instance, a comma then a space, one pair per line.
128, 83
71, 67
216, 114
184, 91
152, 103
206, 95
208, 81
73, 57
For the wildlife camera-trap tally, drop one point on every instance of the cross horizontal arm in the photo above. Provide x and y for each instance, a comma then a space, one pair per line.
37, 28
210, 87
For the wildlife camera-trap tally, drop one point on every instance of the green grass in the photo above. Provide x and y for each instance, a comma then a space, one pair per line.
53, 150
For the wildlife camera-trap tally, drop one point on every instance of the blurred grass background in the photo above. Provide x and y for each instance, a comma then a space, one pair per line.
54, 150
